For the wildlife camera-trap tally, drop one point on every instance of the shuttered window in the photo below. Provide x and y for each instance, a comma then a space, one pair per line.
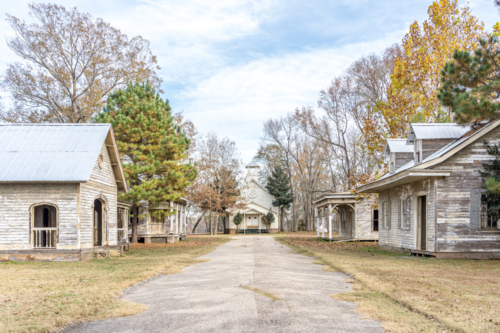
387, 214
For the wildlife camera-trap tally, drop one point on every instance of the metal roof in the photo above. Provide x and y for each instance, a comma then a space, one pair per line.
436, 131
252, 164
397, 146
50, 152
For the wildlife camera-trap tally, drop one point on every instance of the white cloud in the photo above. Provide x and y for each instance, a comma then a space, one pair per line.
238, 99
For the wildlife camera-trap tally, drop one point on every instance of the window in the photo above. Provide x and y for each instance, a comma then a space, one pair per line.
343, 219
375, 220
387, 214
392, 166
44, 226
488, 220
403, 213
418, 157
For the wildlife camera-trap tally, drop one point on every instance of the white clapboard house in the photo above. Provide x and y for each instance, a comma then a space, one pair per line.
58, 192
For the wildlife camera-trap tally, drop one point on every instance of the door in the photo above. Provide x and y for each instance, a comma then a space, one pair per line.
422, 223
97, 223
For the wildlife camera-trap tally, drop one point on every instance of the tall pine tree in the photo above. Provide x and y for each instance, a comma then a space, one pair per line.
471, 84
278, 184
152, 147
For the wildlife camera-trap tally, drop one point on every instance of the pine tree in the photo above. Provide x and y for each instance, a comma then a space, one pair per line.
491, 175
152, 147
278, 184
471, 84
269, 219
237, 219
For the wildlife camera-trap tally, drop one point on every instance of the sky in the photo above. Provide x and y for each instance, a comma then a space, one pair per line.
230, 65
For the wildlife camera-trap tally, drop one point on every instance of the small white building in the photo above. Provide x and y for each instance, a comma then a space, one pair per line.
58, 192
161, 230
258, 201
347, 215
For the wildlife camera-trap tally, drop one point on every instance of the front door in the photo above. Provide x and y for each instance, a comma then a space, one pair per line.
422, 223
97, 223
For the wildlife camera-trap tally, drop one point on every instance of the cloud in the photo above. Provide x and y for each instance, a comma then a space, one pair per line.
237, 99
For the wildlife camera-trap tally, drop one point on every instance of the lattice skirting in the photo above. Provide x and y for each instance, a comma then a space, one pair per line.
114, 253
100, 255
158, 239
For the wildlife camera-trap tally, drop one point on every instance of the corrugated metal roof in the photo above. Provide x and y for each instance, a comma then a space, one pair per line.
50, 152
436, 131
397, 146
252, 164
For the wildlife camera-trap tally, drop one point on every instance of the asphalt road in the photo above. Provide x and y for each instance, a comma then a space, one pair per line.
209, 297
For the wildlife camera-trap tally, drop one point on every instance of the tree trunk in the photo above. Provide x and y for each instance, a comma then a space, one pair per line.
134, 223
197, 222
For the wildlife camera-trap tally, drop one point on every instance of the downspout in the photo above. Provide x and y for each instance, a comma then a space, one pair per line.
435, 217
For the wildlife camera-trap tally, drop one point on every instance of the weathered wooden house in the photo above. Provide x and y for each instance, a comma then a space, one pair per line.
434, 204
58, 192
350, 217
170, 229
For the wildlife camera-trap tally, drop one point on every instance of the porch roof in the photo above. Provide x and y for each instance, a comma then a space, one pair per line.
336, 198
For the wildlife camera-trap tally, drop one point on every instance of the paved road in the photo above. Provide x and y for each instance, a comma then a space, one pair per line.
208, 297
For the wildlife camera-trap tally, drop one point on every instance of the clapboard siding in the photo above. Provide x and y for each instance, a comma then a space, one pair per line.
15, 203
454, 230
102, 184
364, 215
396, 237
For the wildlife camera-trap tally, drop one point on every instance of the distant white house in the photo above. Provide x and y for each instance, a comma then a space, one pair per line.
259, 203
58, 192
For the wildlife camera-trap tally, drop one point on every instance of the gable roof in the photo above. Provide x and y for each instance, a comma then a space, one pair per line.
435, 131
55, 152
396, 146
411, 172
252, 164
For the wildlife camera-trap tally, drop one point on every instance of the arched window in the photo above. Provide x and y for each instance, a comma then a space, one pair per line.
44, 226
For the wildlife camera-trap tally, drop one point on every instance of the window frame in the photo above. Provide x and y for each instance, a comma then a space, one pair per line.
377, 219
387, 214
32, 229
485, 219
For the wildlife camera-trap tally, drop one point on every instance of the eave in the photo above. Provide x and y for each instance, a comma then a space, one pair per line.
401, 178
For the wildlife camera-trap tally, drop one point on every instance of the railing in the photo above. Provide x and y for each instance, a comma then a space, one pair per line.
44, 238
121, 235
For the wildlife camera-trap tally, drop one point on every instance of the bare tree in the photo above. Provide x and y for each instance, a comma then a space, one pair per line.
217, 188
70, 63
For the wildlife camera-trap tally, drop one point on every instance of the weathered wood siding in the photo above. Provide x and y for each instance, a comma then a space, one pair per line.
430, 146
102, 184
397, 237
454, 230
15, 203
402, 159
364, 222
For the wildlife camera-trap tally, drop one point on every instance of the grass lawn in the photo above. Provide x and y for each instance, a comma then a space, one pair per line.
46, 296
412, 295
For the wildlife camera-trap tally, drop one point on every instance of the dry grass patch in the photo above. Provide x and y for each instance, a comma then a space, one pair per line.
414, 295
258, 291
46, 296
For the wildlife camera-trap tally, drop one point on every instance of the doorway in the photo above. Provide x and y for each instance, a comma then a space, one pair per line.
422, 223
97, 222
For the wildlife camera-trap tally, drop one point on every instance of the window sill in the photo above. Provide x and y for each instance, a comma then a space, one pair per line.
490, 231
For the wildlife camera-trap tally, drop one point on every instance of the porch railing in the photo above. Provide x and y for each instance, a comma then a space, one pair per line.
121, 235
157, 228
44, 238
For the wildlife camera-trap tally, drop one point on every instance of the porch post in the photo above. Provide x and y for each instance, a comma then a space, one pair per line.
330, 222
245, 222
317, 220
323, 224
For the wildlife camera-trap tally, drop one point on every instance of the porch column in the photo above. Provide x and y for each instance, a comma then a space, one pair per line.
317, 220
330, 222
323, 224
245, 222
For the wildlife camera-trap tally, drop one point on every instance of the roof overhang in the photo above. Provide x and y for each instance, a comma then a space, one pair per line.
401, 178
116, 163
336, 198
